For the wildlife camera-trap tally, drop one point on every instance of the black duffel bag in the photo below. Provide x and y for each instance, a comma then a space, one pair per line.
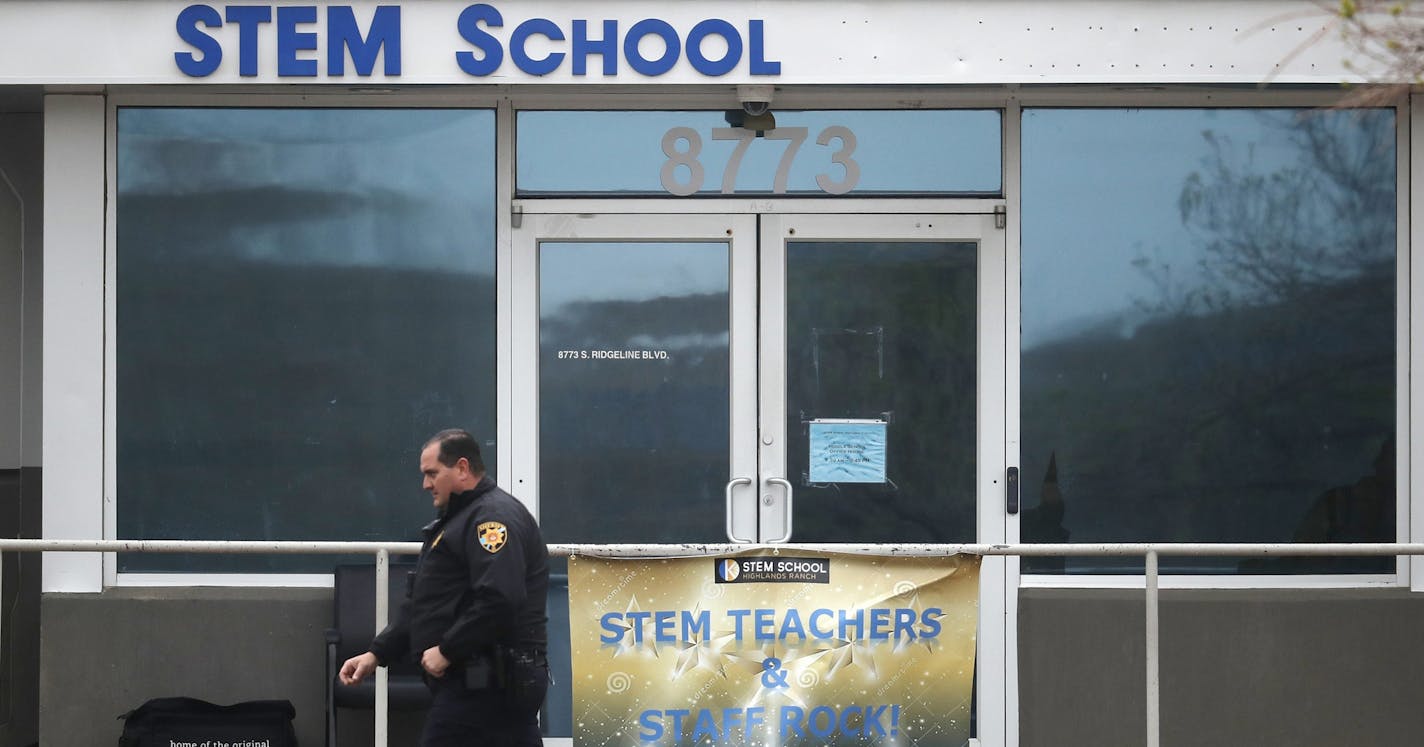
189, 722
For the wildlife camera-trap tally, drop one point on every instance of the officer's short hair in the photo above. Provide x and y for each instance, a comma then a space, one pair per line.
456, 443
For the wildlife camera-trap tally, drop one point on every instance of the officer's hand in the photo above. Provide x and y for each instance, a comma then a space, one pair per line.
357, 667
434, 662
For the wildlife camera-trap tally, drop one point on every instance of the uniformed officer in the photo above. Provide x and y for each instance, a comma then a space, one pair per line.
474, 614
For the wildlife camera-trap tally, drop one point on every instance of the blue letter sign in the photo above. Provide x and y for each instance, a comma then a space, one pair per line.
290, 37
294, 36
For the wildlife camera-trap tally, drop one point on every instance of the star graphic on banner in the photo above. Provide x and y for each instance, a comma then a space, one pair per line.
930, 643
855, 652
707, 652
634, 635
781, 682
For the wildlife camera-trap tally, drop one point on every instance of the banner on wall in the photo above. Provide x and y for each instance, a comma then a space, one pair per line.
773, 648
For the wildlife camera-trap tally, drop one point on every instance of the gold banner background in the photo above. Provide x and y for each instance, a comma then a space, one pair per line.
626, 692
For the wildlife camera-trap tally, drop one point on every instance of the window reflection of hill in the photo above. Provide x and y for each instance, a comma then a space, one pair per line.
1214, 428
624, 442
1362, 511
277, 401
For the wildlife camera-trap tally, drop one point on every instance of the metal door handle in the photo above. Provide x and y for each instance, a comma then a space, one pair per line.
735, 481
783, 482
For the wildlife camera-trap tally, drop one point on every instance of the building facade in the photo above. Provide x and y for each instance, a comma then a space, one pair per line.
892, 272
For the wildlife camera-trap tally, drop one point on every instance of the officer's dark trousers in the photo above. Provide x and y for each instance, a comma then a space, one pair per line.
460, 717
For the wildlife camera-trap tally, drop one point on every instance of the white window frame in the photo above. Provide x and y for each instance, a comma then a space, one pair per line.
73, 496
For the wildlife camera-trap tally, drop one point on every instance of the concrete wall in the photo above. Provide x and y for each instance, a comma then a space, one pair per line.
105, 654
1250, 667
1307, 667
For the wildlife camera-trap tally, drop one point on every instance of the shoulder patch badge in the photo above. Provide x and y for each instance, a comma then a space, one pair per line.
492, 534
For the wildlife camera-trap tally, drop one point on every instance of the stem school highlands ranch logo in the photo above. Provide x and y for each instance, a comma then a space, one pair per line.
772, 569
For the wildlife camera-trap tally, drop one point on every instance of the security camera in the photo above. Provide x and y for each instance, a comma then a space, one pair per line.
756, 100
756, 108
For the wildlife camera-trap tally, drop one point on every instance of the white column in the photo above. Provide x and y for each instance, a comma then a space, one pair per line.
73, 437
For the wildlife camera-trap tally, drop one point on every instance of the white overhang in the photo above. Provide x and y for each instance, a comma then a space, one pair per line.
783, 42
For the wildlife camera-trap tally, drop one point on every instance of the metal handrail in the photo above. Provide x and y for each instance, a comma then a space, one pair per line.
1151, 552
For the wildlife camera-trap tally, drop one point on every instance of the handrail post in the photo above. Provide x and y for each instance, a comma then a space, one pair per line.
1154, 714
383, 613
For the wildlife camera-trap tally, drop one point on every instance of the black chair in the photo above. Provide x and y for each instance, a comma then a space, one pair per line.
556, 719
355, 624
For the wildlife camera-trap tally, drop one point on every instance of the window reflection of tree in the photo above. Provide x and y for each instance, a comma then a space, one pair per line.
1044, 522
1266, 371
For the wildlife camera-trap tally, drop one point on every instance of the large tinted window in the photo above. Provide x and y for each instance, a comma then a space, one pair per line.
303, 297
1208, 330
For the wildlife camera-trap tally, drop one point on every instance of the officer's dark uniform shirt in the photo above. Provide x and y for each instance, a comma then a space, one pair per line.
482, 580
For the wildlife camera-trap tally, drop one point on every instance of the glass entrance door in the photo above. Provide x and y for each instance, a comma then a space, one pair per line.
882, 397
635, 360
774, 378
872, 349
